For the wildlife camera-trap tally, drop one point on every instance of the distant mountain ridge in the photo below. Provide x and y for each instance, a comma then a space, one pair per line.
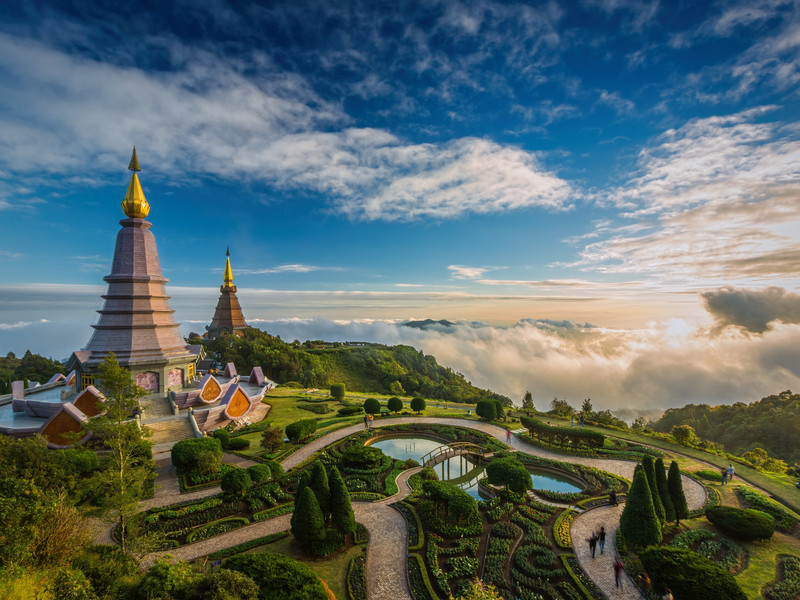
428, 323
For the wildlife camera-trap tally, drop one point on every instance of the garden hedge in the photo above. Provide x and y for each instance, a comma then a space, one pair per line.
351, 410
562, 436
689, 575
186, 453
236, 482
299, 429
742, 523
238, 444
279, 576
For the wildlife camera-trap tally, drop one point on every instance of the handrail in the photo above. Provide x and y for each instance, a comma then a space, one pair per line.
453, 449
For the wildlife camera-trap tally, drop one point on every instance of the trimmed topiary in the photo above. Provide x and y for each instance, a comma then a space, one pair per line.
279, 576
394, 404
363, 457
639, 523
689, 574
236, 482
342, 516
322, 489
663, 489
648, 464
308, 522
675, 487
510, 472
742, 523
348, 411
418, 404
259, 473
185, 454
372, 406
338, 391
486, 409
299, 429
238, 443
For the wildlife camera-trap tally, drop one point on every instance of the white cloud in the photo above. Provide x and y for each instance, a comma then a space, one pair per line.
244, 120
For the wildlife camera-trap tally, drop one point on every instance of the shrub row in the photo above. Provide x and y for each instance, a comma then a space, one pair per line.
742, 523
588, 452
561, 529
562, 436
421, 588
244, 546
416, 537
216, 528
357, 578
277, 511
579, 577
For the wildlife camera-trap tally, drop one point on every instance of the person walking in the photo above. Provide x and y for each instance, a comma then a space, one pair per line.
581, 419
572, 422
644, 585
601, 539
724, 476
730, 472
508, 435
612, 498
619, 567
366, 421
593, 543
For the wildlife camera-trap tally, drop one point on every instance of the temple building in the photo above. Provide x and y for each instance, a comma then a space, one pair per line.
137, 325
228, 317
136, 322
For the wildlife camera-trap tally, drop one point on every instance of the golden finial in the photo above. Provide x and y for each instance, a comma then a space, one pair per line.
134, 164
135, 205
228, 277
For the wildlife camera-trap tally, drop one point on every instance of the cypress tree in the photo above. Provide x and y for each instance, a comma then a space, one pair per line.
308, 524
303, 483
639, 523
342, 516
322, 490
650, 471
663, 490
675, 487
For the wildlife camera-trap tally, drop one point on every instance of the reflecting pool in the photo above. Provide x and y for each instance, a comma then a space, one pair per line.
461, 470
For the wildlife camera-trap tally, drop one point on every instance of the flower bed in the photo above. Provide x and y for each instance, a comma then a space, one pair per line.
713, 546
561, 529
416, 537
179, 525
366, 496
216, 528
580, 578
243, 547
276, 511
563, 497
357, 578
787, 585
418, 581
785, 520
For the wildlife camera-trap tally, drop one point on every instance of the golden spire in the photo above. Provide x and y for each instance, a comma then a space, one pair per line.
228, 277
135, 205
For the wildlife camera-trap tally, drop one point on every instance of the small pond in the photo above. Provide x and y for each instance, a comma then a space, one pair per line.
462, 471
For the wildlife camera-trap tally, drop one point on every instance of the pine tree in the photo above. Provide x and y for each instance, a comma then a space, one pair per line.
650, 471
308, 524
342, 516
527, 401
639, 523
663, 490
322, 490
675, 487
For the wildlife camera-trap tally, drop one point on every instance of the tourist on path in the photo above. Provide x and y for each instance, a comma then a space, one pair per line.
612, 498
644, 585
508, 435
724, 476
601, 539
572, 422
619, 567
593, 543
730, 472
366, 421
581, 420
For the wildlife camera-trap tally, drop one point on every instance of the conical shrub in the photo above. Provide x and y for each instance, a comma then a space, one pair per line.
308, 524
650, 471
663, 490
675, 487
342, 516
639, 523
322, 490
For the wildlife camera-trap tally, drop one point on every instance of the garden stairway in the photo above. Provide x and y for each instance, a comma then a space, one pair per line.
171, 430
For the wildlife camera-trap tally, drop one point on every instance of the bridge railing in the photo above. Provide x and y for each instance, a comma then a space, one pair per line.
447, 450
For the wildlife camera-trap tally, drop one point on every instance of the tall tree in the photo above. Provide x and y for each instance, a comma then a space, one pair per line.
527, 401
650, 471
342, 516
322, 489
586, 407
302, 483
129, 458
663, 490
675, 486
639, 523
308, 524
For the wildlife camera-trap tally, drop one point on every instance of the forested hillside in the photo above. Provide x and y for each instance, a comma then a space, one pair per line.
400, 370
32, 367
772, 423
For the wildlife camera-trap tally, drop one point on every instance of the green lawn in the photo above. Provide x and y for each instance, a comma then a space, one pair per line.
332, 569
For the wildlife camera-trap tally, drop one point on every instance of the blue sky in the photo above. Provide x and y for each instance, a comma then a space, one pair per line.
630, 165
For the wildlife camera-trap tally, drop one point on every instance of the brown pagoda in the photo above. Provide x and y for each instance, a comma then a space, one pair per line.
136, 322
228, 317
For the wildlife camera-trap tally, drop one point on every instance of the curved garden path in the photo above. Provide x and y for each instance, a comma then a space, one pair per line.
386, 580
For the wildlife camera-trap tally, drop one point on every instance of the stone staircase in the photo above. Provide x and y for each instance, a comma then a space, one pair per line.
171, 430
157, 407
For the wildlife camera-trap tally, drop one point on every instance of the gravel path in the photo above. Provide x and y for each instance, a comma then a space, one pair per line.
386, 578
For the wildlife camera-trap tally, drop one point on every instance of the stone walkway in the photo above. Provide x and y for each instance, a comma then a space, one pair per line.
386, 554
